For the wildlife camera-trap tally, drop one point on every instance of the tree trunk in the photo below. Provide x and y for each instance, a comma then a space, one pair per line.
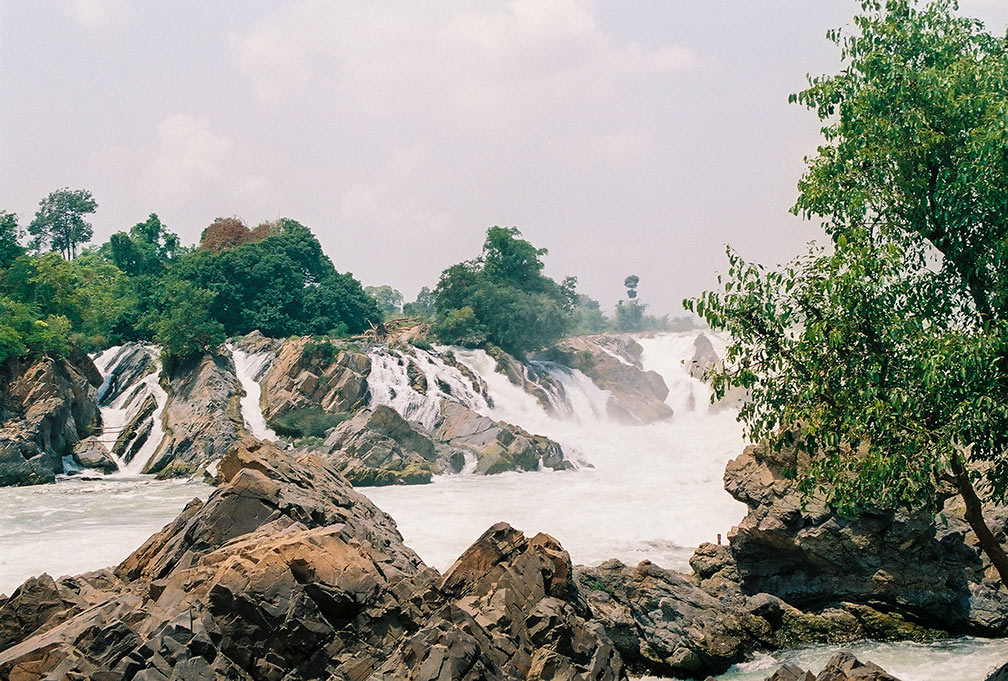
974, 516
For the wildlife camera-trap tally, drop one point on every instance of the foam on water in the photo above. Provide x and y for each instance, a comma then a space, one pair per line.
390, 384
74, 525
249, 369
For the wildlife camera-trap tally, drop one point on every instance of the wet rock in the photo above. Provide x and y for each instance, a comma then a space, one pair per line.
913, 578
125, 369
90, 453
46, 407
663, 623
325, 375
547, 391
201, 418
380, 447
497, 446
286, 572
613, 364
841, 667
999, 674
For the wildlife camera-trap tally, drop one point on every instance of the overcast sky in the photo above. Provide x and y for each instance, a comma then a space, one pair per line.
626, 137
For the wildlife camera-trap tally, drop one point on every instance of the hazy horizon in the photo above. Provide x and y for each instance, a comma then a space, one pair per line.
623, 137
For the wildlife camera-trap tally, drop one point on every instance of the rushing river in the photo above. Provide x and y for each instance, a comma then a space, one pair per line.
652, 491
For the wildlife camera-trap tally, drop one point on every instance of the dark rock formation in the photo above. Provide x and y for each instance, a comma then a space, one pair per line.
286, 573
664, 624
613, 364
201, 418
547, 391
999, 674
46, 407
380, 447
894, 562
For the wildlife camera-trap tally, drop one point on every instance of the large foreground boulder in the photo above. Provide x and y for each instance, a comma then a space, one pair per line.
286, 572
46, 407
896, 562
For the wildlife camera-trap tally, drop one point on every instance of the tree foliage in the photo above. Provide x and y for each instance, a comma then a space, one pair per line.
10, 239
59, 223
503, 298
389, 300
885, 355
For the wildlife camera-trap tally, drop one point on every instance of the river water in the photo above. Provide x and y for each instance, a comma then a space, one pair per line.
652, 491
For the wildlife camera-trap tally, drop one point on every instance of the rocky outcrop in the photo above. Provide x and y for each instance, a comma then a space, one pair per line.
201, 417
547, 391
46, 406
898, 563
613, 364
380, 447
286, 573
91, 454
322, 375
704, 359
841, 667
496, 446
664, 624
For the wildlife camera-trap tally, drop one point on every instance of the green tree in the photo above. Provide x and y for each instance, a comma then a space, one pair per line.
59, 222
885, 355
423, 306
630, 314
502, 297
389, 299
186, 329
10, 239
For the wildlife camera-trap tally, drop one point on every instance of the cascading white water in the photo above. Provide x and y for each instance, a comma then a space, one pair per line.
250, 369
654, 491
116, 415
390, 384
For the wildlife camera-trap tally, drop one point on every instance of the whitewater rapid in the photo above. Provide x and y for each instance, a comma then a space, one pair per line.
652, 491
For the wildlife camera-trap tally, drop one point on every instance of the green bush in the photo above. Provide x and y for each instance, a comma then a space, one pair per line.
306, 422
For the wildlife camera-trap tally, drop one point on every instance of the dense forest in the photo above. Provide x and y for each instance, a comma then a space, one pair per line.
58, 294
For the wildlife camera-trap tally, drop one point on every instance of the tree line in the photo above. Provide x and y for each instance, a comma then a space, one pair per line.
143, 285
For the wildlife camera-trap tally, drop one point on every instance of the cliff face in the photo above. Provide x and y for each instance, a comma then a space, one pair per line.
46, 407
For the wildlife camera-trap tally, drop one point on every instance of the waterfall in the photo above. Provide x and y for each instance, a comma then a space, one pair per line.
250, 369
131, 378
415, 382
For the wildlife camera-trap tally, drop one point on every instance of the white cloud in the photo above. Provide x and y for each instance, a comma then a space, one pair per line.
514, 62
95, 13
388, 202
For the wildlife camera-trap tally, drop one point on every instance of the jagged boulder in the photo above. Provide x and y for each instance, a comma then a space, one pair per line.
497, 446
664, 624
841, 667
286, 572
315, 375
46, 406
613, 364
90, 453
896, 562
201, 417
548, 391
380, 447
124, 368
